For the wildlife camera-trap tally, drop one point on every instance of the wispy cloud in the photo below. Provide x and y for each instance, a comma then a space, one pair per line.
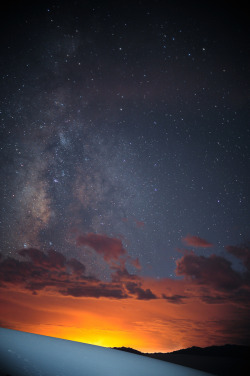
196, 241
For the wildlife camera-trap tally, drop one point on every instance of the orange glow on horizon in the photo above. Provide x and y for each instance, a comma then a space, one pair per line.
148, 326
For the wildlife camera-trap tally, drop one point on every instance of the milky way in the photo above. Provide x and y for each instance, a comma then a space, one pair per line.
131, 126
124, 176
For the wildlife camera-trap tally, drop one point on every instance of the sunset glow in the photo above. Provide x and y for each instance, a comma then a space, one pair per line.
176, 313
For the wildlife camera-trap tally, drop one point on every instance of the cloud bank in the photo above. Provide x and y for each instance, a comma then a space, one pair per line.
51, 271
209, 296
210, 279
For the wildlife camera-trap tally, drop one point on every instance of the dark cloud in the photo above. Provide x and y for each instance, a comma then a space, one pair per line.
109, 248
209, 279
122, 274
242, 253
53, 271
213, 280
102, 290
77, 267
145, 294
175, 299
141, 294
16, 272
209, 299
195, 241
52, 260
42, 271
215, 271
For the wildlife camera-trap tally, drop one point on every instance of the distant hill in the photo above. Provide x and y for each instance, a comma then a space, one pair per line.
235, 351
128, 349
227, 360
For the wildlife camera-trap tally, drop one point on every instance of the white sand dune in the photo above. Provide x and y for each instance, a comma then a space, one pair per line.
25, 354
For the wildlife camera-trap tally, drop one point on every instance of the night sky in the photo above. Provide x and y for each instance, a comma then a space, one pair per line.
125, 172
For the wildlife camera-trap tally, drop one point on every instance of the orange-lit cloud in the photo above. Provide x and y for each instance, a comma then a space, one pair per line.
46, 293
195, 241
109, 248
52, 272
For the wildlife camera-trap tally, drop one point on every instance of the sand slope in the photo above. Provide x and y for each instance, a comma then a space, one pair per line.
23, 354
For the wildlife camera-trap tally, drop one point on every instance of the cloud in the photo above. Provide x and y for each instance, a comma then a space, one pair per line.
175, 299
140, 224
211, 280
209, 299
135, 263
195, 241
77, 267
53, 259
242, 253
121, 274
43, 271
109, 248
52, 271
141, 294
101, 290
213, 271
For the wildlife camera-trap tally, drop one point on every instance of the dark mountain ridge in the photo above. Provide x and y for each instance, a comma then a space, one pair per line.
229, 350
226, 360
236, 351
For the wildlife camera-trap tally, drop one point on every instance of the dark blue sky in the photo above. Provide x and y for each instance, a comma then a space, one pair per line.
124, 179
128, 121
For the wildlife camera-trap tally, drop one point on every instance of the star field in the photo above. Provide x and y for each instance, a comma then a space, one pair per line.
109, 119
129, 122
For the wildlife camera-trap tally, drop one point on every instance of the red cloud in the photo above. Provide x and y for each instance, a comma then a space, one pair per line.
140, 224
211, 279
136, 263
195, 241
52, 271
109, 248
53, 260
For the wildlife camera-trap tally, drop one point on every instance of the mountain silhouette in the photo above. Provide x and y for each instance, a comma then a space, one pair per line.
226, 360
